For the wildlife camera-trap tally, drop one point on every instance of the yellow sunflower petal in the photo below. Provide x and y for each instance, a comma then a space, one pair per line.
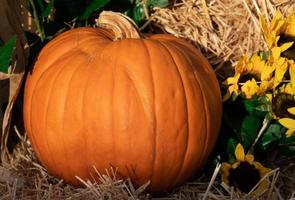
225, 168
282, 67
290, 25
265, 86
269, 96
261, 188
282, 62
226, 96
292, 74
288, 123
263, 24
257, 64
275, 20
262, 170
276, 52
286, 46
233, 80
236, 164
287, 88
249, 158
279, 26
250, 88
231, 89
291, 110
267, 72
240, 153
290, 133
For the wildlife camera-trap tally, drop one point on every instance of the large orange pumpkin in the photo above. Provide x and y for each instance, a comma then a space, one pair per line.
150, 107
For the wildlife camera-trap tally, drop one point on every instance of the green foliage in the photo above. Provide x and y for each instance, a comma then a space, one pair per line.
245, 119
288, 140
264, 55
272, 135
138, 9
157, 3
138, 14
82, 13
6, 52
249, 130
258, 106
93, 6
46, 12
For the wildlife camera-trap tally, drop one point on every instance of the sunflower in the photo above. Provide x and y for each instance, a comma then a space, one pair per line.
245, 69
289, 123
245, 173
266, 71
272, 32
280, 28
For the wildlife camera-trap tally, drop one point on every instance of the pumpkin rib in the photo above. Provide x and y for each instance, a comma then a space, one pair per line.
94, 149
46, 109
31, 100
187, 111
154, 120
84, 97
205, 106
60, 40
43, 68
138, 95
89, 60
207, 127
61, 105
114, 134
210, 131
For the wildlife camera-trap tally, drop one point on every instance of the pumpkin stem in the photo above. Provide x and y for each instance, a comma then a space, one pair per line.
122, 26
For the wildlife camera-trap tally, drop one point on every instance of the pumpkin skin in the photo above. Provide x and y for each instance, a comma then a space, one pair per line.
149, 107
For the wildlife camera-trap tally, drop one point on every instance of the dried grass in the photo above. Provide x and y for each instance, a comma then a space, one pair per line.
223, 30
24, 178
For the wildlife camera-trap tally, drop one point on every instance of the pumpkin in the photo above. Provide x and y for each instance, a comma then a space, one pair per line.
147, 105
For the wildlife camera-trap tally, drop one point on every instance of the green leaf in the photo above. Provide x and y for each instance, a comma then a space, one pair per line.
138, 14
93, 6
48, 9
6, 53
288, 140
40, 3
264, 55
230, 149
272, 135
158, 3
258, 106
249, 130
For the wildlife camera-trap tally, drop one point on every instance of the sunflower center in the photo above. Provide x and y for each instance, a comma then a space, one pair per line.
248, 76
244, 177
280, 104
